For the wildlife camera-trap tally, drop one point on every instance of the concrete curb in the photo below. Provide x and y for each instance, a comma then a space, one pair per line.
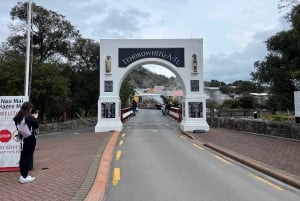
271, 171
92, 172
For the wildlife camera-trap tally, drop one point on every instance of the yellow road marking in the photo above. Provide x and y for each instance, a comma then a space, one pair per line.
199, 147
116, 176
267, 182
183, 137
222, 159
121, 143
118, 155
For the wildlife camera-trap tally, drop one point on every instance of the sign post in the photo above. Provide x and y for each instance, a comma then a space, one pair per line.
297, 106
9, 147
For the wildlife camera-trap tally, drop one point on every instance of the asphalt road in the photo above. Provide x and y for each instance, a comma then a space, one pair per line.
158, 163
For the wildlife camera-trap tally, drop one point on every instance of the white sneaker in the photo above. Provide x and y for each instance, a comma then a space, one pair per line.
28, 176
28, 179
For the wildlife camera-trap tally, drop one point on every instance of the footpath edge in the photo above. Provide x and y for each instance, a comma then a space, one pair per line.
98, 189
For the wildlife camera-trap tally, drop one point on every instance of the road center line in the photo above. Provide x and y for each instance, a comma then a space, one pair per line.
183, 137
222, 159
199, 147
116, 176
121, 143
267, 182
118, 155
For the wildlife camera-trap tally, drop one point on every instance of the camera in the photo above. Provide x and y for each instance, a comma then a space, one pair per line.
36, 112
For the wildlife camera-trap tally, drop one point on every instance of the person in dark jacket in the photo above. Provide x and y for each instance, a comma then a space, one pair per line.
168, 107
29, 142
134, 107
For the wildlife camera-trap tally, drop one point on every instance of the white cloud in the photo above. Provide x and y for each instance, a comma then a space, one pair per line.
237, 65
233, 30
120, 23
160, 70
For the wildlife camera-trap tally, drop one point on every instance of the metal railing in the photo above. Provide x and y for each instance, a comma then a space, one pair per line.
176, 114
126, 113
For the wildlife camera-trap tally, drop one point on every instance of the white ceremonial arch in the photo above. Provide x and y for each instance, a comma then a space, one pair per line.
184, 57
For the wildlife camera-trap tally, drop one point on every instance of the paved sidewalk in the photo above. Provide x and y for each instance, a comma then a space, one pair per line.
277, 157
65, 168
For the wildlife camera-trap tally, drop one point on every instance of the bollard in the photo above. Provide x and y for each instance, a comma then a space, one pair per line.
255, 115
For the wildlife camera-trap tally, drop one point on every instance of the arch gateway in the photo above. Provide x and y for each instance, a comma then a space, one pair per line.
184, 57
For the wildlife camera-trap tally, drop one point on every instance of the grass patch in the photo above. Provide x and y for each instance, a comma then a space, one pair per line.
275, 118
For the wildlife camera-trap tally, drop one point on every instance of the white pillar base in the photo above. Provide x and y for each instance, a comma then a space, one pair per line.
106, 125
109, 123
194, 124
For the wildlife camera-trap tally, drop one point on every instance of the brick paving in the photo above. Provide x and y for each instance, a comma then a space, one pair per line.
61, 166
283, 154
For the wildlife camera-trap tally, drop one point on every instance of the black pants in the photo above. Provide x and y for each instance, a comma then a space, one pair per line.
27, 155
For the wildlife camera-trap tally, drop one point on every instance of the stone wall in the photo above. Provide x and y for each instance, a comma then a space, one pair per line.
286, 130
68, 125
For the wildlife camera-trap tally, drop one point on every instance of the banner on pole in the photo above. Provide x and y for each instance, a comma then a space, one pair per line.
9, 147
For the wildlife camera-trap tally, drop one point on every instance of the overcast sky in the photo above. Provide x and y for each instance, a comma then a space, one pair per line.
234, 31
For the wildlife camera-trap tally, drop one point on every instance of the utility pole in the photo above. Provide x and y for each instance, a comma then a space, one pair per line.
28, 49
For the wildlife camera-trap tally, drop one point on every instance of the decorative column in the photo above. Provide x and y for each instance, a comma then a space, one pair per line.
194, 117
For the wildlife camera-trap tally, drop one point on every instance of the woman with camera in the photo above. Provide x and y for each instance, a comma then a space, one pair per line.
24, 119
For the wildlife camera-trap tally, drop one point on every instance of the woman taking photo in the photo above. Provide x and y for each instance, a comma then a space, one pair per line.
23, 119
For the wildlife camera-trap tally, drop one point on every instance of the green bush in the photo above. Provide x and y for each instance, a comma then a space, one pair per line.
275, 118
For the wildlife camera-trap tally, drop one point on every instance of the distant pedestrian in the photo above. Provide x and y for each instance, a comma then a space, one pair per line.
163, 109
26, 124
168, 107
134, 107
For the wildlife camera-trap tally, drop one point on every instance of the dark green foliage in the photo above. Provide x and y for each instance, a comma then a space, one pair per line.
85, 92
248, 101
231, 104
280, 69
242, 87
51, 32
216, 83
50, 91
143, 78
245, 102
12, 68
65, 67
126, 93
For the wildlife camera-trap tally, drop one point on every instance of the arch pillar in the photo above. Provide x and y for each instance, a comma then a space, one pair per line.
194, 113
109, 108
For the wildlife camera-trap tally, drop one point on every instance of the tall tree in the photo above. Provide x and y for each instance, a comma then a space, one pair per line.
282, 4
12, 68
84, 55
58, 52
50, 91
280, 68
52, 34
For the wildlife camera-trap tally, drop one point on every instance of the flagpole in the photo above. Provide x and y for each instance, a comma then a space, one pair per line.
28, 49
